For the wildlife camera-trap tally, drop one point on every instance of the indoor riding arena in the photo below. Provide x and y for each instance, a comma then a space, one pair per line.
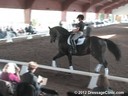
27, 28
42, 51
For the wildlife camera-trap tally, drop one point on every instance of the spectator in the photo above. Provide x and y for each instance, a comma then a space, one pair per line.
103, 86
10, 73
30, 77
30, 29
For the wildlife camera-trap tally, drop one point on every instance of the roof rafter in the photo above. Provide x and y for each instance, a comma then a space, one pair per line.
25, 4
93, 3
66, 4
108, 4
85, 7
109, 9
88, 5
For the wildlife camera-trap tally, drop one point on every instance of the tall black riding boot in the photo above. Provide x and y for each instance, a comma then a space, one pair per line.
74, 50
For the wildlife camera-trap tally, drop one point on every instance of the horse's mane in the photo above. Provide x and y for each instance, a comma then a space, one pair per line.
61, 30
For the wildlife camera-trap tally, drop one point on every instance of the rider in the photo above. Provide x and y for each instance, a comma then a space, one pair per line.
78, 32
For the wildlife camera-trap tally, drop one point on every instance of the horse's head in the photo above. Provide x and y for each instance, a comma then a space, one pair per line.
58, 32
53, 34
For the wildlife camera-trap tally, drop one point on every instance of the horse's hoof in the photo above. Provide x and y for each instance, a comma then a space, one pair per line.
71, 68
106, 71
54, 64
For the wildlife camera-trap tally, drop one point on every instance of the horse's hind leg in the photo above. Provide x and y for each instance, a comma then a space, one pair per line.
103, 63
56, 57
99, 54
106, 68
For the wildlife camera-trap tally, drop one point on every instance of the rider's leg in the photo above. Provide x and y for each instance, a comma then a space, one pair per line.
74, 38
77, 35
73, 43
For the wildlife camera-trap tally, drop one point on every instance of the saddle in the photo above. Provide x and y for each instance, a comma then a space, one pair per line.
79, 41
73, 44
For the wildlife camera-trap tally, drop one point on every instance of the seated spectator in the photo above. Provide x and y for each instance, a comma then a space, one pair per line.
20, 31
31, 78
103, 86
10, 73
30, 29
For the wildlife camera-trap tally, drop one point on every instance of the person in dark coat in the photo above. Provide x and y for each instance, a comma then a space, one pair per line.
31, 78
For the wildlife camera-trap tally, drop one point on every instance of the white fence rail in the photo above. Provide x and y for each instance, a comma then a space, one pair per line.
122, 79
24, 37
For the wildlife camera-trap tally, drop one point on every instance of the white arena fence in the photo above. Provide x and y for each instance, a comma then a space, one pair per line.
93, 76
24, 37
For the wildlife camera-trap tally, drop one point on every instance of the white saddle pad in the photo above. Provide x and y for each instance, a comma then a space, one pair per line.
79, 42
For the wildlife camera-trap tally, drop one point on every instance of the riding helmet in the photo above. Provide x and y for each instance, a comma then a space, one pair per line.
80, 16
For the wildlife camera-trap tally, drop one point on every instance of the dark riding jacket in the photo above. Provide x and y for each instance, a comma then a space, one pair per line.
81, 26
30, 78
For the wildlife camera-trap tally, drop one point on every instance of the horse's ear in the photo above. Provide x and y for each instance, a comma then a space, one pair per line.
49, 27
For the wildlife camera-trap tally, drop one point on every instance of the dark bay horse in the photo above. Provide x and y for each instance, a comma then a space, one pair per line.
92, 45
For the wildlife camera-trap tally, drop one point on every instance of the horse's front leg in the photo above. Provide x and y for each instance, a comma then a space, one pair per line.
70, 61
56, 57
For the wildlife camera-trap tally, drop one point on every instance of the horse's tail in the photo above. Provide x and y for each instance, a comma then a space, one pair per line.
113, 48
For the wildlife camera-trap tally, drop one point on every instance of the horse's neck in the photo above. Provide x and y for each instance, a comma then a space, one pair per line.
63, 38
63, 34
